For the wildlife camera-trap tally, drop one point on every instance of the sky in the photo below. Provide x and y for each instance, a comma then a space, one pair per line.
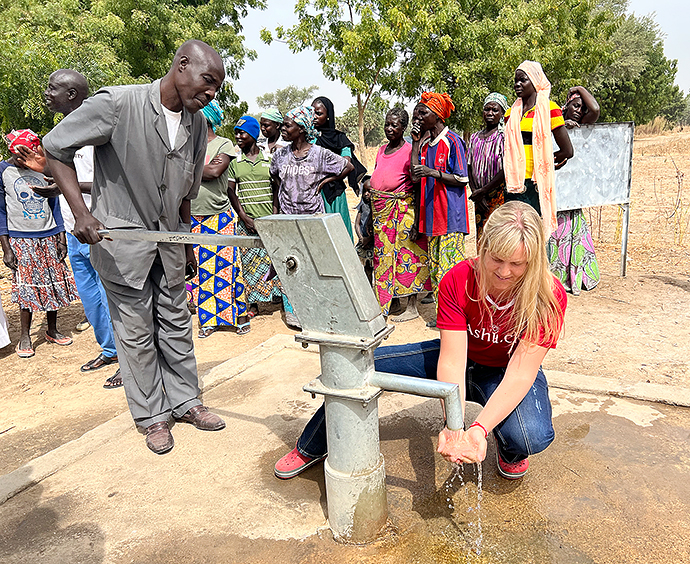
276, 67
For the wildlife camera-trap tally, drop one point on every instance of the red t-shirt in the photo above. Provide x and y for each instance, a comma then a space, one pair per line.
488, 338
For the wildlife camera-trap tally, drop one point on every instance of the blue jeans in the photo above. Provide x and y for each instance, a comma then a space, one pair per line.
92, 294
527, 430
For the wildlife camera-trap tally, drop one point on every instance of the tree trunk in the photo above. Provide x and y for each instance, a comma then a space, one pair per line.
360, 129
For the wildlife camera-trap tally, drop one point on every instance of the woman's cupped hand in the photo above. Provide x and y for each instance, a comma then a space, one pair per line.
462, 447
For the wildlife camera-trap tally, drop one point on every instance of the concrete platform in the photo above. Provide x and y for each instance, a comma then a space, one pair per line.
614, 486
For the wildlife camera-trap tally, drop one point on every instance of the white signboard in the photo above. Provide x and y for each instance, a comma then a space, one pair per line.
599, 173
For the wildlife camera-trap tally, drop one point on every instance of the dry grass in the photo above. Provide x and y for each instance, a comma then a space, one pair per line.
657, 126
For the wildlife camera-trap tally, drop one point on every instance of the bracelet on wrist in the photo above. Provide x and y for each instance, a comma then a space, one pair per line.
478, 424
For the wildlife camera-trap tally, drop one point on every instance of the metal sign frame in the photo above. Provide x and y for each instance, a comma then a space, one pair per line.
599, 173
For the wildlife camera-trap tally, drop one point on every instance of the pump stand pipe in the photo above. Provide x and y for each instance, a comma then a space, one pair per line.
449, 393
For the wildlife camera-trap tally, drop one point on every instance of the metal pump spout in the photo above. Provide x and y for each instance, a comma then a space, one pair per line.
449, 393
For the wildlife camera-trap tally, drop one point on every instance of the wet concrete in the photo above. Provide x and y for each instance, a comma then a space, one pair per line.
614, 487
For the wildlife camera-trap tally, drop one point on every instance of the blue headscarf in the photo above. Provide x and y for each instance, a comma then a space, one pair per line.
213, 114
304, 117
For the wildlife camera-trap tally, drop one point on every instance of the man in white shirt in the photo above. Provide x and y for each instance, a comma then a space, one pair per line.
66, 91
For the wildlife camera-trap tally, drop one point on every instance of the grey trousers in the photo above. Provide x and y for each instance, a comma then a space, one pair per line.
153, 337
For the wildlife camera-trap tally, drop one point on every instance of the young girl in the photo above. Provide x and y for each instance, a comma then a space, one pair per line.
249, 188
364, 228
34, 245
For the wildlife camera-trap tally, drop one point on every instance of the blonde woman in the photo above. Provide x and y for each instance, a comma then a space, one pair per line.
499, 315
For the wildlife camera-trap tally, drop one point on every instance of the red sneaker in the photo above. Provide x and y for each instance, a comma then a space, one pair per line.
511, 470
294, 463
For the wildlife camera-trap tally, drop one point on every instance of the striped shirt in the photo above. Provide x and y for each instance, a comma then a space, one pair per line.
443, 209
526, 129
253, 184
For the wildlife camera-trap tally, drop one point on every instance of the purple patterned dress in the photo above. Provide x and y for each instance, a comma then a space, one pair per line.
485, 160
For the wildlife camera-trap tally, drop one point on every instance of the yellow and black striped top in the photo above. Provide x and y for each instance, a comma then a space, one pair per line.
526, 129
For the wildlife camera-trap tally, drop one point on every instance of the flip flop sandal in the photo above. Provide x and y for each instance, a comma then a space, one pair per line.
243, 328
206, 332
251, 314
62, 341
99, 362
24, 353
115, 381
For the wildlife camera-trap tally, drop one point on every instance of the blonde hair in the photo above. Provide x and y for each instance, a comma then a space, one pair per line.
536, 314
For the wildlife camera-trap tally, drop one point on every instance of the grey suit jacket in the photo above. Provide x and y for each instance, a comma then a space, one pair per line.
139, 179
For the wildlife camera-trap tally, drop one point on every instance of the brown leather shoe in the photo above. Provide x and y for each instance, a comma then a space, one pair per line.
159, 438
203, 419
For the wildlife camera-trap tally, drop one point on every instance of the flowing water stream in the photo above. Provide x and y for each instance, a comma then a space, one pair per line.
475, 535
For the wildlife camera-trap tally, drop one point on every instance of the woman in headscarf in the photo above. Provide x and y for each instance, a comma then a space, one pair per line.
570, 248
400, 257
271, 140
300, 170
249, 188
530, 160
485, 161
333, 193
438, 162
218, 289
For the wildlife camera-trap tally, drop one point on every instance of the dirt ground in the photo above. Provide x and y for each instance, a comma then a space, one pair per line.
634, 328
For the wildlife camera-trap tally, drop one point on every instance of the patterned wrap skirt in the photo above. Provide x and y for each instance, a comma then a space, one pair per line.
218, 290
492, 203
41, 282
255, 267
400, 264
571, 253
445, 251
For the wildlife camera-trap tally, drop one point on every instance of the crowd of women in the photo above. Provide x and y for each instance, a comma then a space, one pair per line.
413, 216
412, 219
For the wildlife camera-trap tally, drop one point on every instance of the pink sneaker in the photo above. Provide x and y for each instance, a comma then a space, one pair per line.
511, 470
294, 463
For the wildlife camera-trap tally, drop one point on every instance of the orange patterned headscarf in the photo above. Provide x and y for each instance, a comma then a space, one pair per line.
542, 146
440, 104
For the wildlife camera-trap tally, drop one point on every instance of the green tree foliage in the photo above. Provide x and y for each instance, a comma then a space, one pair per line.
109, 41
639, 84
463, 47
354, 40
231, 115
286, 98
374, 118
469, 48
685, 117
